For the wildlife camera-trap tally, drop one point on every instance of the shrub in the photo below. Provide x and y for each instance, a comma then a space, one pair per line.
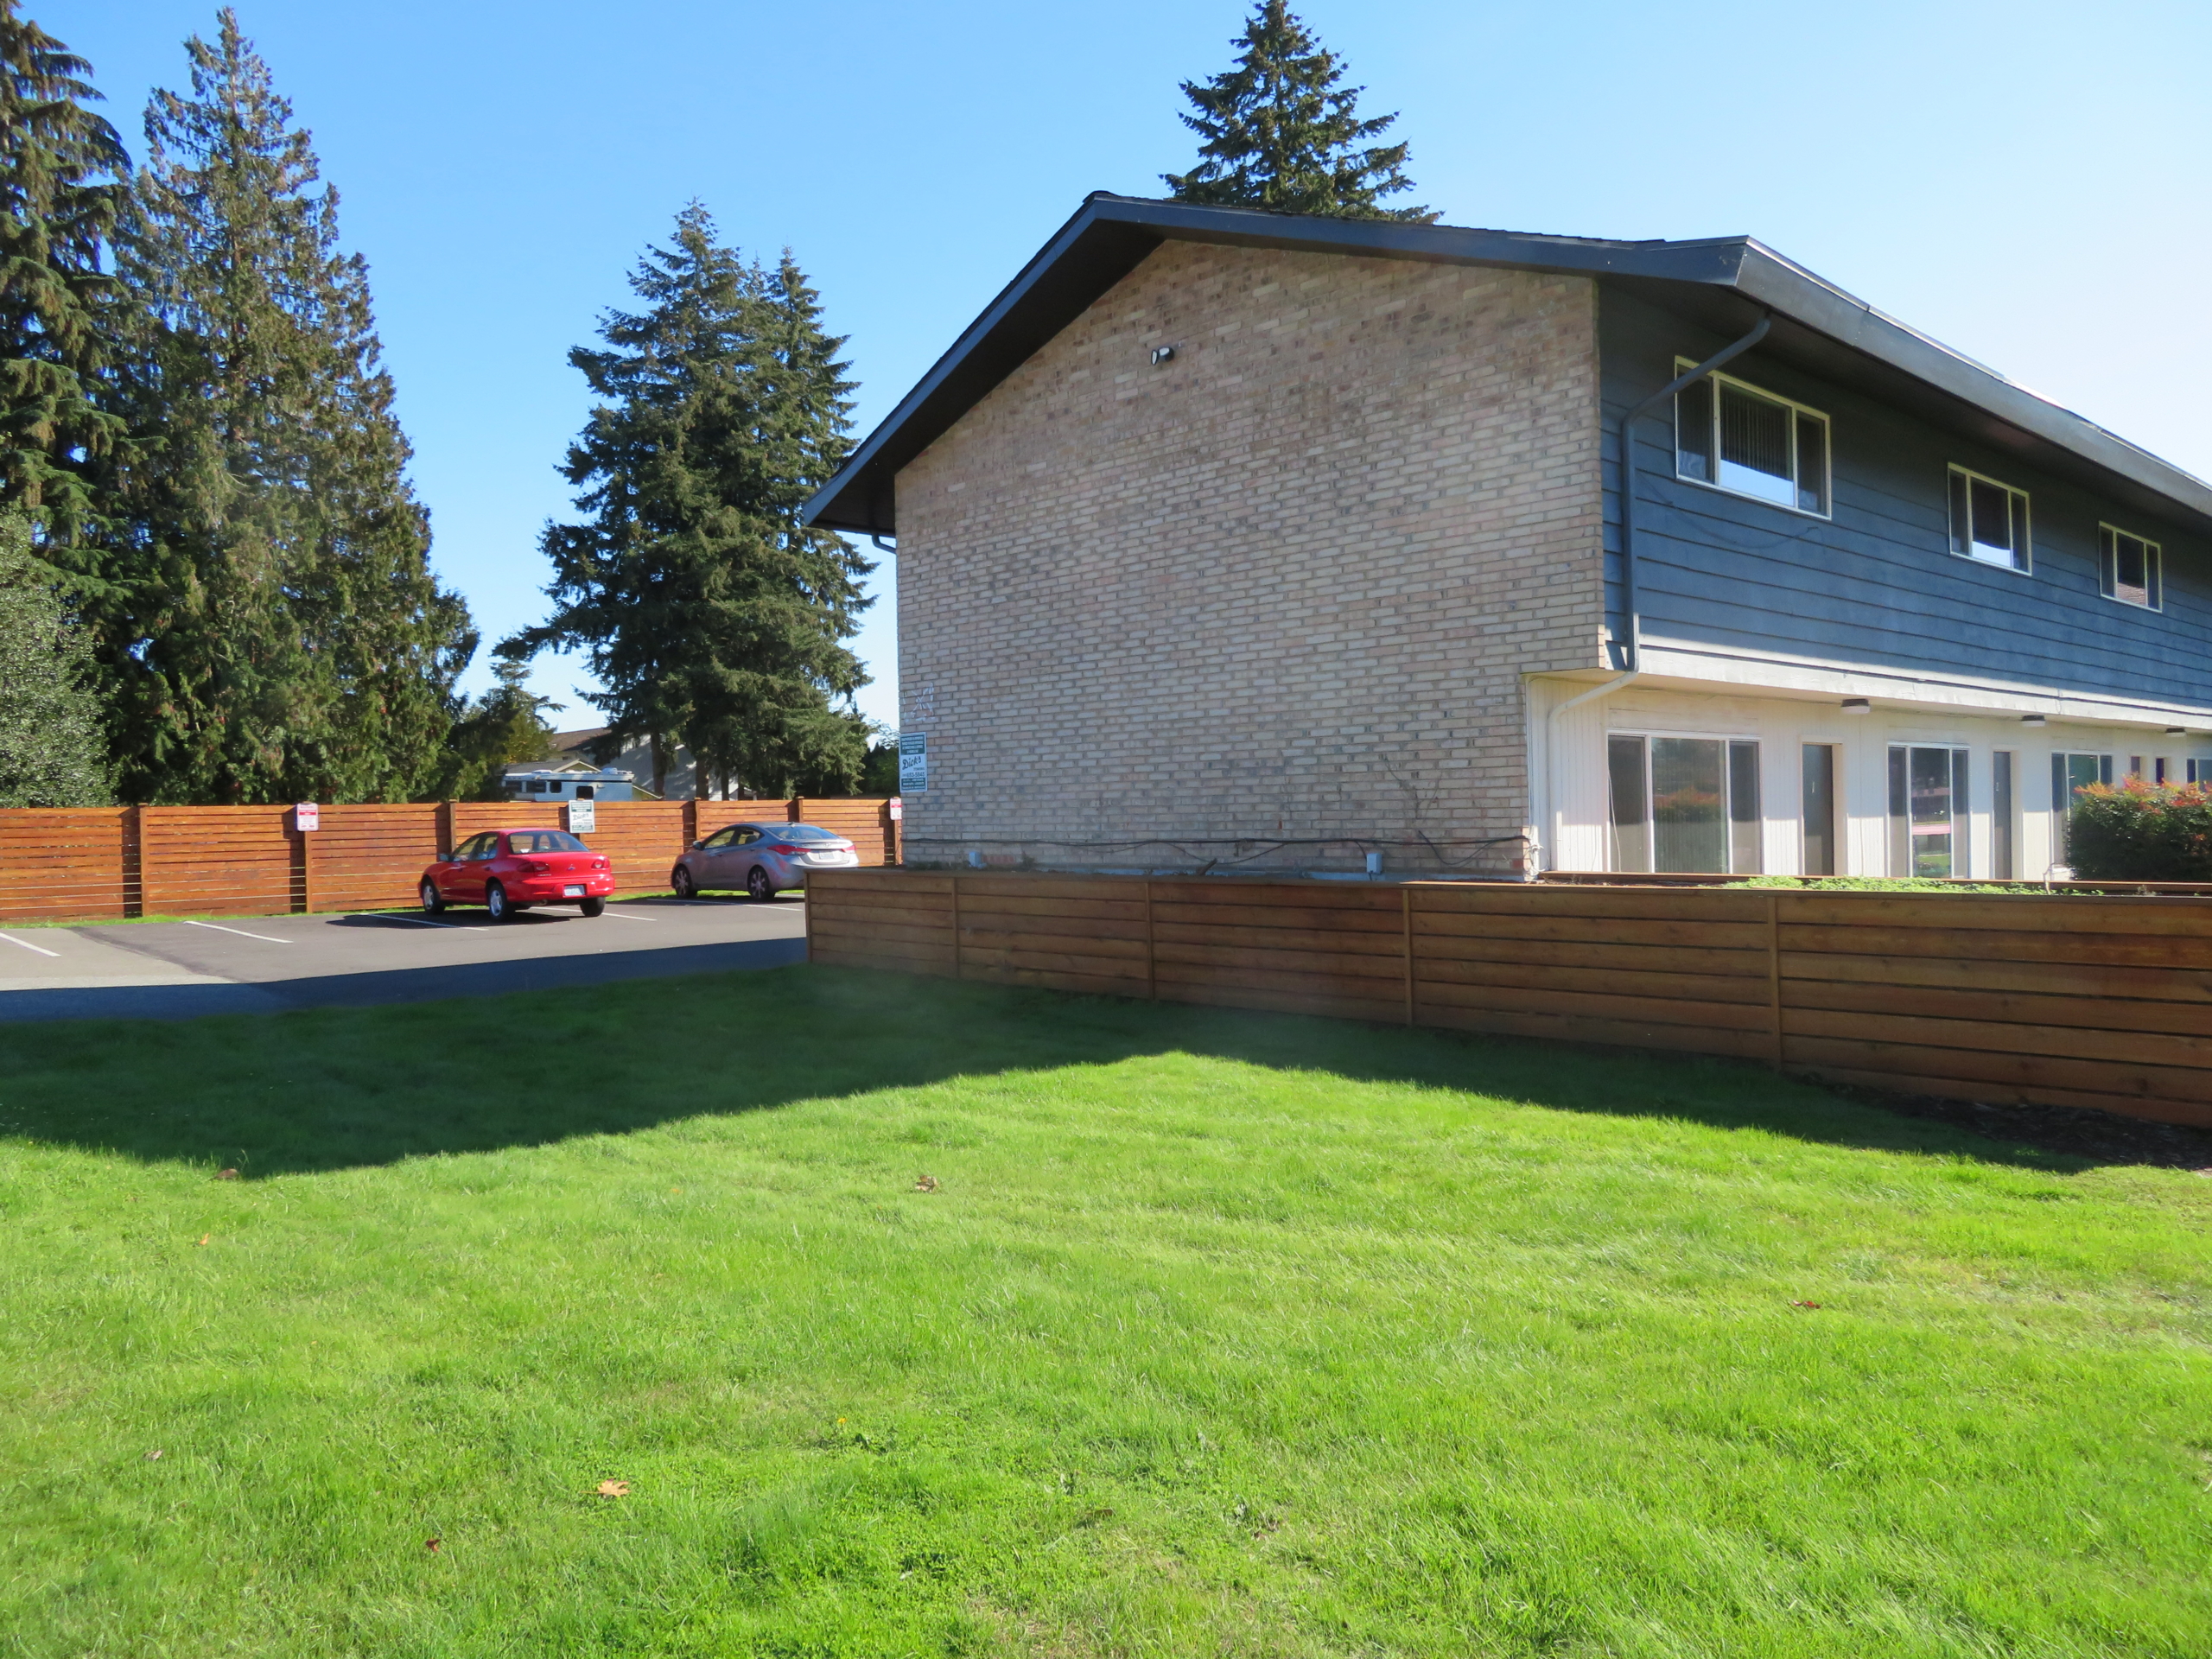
2136, 831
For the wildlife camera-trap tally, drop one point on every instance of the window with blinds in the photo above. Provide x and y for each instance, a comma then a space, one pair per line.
1751, 442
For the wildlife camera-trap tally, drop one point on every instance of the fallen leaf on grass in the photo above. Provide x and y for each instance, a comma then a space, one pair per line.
1804, 1304
432, 1544
615, 1489
154, 1456
926, 1184
226, 1175
204, 1237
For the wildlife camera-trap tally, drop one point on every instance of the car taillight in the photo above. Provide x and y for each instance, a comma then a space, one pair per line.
785, 847
532, 867
599, 863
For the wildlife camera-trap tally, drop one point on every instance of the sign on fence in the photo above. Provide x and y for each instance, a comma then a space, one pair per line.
306, 816
583, 817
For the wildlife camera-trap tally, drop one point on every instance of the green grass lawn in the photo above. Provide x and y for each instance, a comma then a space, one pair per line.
1220, 1335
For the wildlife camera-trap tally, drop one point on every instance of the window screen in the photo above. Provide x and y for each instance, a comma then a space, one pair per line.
1630, 813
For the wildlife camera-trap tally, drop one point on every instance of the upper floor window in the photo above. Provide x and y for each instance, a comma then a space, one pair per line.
2130, 567
1751, 442
1989, 520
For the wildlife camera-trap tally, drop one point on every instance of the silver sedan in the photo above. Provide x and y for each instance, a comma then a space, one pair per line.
764, 859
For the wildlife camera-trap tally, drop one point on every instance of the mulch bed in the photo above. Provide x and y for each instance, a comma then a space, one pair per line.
2072, 1131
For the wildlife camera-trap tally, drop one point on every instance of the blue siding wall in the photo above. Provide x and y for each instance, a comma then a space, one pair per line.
1878, 586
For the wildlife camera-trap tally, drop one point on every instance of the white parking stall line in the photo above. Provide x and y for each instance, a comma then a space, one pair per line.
624, 916
384, 916
28, 946
240, 932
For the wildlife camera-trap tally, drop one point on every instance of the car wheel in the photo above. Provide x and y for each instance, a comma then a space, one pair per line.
680, 879
433, 901
495, 900
593, 906
758, 884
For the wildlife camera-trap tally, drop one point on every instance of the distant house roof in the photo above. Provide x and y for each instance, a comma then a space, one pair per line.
1722, 281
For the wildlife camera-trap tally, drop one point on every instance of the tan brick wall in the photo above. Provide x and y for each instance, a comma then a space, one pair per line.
1284, 585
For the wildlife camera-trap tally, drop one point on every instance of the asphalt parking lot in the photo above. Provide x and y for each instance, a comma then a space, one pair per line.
172, 971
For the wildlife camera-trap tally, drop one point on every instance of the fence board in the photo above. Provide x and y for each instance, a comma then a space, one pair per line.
2103, 1005
67, 863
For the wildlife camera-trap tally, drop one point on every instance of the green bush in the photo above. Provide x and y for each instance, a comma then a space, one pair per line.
2136, 831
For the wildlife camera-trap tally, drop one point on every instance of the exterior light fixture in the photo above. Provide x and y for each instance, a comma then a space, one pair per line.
2033, 720
1857, 706
1161, 354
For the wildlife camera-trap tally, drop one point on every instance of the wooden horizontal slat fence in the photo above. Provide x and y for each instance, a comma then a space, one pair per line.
2069, 1001
58, 865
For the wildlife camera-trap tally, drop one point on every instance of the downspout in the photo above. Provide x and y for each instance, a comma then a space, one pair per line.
1632, 640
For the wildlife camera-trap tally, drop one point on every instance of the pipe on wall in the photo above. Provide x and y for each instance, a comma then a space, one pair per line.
1631, 602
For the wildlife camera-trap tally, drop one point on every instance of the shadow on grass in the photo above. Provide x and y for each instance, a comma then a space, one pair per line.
336, 1088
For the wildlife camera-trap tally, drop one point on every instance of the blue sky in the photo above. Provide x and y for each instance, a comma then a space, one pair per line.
2030, 183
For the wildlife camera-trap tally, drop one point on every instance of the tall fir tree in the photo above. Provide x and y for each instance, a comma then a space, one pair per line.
53, 751
711, 615
62, 173
507, 724
277, 634
1279, 132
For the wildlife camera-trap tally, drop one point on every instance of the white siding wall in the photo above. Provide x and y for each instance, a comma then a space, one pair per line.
1782, 725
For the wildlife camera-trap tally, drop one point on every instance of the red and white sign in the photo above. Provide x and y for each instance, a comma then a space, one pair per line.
897, 809
306, 816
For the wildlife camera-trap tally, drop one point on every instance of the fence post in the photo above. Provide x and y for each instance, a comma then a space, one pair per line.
1406, 896
134, 865
302, 889
1151, 975
955, 927
445, 829
1774, 969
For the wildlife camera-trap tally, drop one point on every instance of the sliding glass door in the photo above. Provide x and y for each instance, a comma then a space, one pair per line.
1684, 803
1928, 817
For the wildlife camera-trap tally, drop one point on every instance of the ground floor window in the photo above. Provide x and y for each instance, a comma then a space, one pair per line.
1685, 803
1817, 848
1927, 811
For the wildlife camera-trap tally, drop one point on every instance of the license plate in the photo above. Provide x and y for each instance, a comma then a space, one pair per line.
572, 893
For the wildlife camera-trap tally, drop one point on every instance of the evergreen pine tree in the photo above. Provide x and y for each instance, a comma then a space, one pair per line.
53, 752
60, 168
1280, 134
507, 724
279, 636
711, 616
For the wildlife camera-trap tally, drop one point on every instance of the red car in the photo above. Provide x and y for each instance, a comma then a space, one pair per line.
508, 870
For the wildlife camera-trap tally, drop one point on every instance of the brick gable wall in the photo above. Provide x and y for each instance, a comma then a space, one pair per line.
1284, 585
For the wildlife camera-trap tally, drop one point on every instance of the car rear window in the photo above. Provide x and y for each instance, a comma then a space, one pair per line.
805, 832
546, 840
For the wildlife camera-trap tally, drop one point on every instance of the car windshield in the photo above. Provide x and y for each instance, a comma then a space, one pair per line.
546, 840
805, 832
